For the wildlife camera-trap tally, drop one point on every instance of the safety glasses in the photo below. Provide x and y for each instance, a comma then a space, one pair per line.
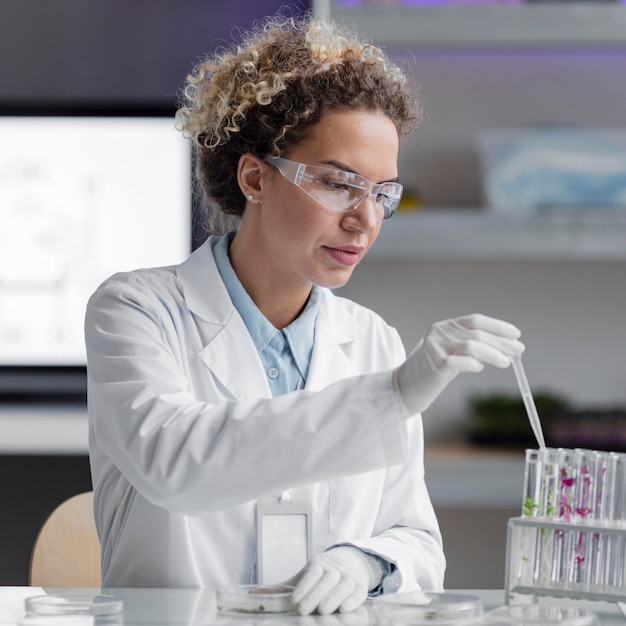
338, 190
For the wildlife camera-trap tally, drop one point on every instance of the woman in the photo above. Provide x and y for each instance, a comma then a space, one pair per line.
247, 425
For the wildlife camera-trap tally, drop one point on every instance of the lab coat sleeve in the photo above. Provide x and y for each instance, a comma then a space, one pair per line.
195, 456
408, 534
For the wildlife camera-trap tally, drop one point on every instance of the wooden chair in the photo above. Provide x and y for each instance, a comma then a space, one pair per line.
66, 552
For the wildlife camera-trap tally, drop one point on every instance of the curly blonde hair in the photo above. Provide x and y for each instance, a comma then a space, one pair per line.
263, 95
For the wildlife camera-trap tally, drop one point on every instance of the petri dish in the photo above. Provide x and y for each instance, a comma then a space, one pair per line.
428, 607
258, 599
542, 615
73, 608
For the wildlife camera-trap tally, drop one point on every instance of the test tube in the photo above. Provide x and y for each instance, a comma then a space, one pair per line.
549, 482
531, 506
608, 544
620, 513
599, 515
548, 486
583, 472
566, 485
619, 492
562, 561
530, 538
602, 492
615, 557
584, 469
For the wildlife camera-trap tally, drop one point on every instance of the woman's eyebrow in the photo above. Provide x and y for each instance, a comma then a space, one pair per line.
345, 168
339, 165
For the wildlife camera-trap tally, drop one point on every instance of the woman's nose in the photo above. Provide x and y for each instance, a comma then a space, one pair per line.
364, 212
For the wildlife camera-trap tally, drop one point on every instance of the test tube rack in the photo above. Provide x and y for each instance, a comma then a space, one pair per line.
565, 560
570, 541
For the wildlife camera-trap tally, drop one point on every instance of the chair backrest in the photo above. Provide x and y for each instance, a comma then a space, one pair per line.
66, 552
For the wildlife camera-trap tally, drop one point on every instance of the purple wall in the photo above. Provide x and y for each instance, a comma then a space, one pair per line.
114, 50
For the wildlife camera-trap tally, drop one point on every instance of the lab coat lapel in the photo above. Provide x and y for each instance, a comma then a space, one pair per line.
335, 329
233, 359
229, 352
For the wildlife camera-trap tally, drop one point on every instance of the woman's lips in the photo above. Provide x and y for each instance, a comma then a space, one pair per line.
346, 255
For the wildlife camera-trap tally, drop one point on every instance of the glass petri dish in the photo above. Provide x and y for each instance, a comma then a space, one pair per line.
257, 599
542, 615
428, 607
73, 608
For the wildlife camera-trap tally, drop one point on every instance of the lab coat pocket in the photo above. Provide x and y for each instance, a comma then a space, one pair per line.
353, 506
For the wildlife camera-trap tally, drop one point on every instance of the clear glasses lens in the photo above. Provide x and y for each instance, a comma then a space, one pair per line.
339, 190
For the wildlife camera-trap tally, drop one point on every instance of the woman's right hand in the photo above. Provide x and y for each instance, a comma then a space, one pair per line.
464, 344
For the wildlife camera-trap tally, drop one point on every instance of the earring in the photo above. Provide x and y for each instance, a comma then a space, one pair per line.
250, 197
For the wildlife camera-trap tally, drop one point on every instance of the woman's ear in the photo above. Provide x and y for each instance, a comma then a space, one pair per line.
251, 172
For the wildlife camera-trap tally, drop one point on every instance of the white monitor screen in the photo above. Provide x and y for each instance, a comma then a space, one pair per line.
80, 199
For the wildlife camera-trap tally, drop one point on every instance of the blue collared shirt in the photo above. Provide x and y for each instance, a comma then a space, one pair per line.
286, 353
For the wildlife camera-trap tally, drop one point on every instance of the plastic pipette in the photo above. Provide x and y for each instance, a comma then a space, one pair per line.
529, 403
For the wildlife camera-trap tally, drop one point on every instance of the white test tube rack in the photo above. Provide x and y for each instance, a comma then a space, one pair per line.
570, 541
564, 560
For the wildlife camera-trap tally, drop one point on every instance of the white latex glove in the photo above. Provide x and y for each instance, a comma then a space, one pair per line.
337, 579
464, 344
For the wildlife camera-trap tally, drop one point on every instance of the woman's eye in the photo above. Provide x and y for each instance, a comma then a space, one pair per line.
336, 185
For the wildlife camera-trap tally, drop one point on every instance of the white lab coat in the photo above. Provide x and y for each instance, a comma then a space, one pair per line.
185, 436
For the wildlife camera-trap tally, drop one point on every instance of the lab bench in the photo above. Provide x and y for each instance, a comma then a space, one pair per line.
170, 607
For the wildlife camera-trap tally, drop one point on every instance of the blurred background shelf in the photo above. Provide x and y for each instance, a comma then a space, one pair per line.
470, 234
491, 477
550, 24
43, 430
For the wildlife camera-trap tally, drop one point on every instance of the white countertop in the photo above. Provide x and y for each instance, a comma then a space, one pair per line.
170, 607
